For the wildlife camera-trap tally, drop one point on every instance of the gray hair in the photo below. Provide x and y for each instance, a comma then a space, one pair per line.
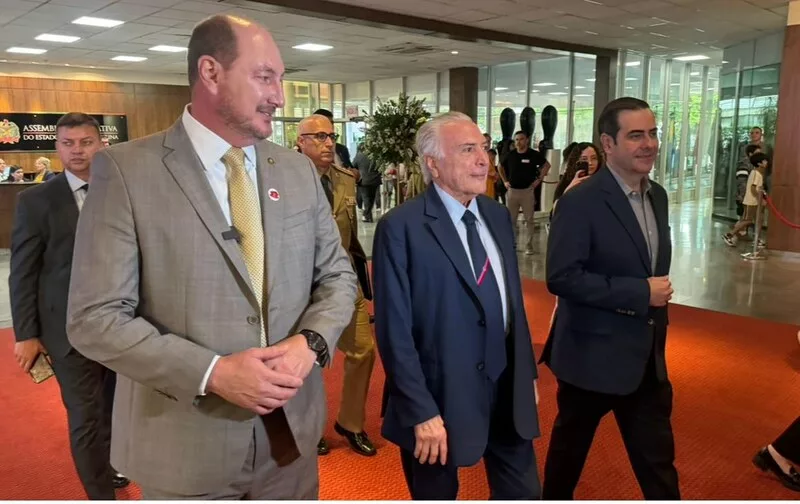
428, 142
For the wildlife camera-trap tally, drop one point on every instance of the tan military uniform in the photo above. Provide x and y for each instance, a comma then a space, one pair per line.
356, 341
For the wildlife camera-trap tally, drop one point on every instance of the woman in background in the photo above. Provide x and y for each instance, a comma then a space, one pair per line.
491, 177
583, 160
43, 173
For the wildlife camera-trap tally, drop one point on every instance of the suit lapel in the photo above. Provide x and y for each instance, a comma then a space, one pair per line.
66, 202
445, 233
621, 207
271, 185
187, 170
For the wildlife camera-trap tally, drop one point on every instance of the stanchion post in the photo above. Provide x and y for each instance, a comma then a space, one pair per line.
757, 254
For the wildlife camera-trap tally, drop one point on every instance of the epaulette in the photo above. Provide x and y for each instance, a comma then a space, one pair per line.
343, 170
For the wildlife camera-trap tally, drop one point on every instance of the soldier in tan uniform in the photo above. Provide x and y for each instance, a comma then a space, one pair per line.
316, 139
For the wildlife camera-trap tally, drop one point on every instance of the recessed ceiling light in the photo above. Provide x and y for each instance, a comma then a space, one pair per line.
591, 80
500, 88
49, 37
133, 59
633, 63
453, 52
313, 47
701, 31
591, 32
694, 57
557, 93
168, 48
26, 50
100, 22
545, 84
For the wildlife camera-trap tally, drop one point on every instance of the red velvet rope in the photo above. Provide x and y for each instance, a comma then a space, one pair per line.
780, 215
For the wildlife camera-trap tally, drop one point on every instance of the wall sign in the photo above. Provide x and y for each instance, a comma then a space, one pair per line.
37, 132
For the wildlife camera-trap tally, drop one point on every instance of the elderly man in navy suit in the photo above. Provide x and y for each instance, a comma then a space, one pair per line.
451, 326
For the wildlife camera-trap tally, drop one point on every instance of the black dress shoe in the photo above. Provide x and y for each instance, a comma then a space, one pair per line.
358, 440
322, 447
764, 461
120, 481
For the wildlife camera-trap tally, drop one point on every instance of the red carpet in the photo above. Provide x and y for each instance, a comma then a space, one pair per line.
736, 388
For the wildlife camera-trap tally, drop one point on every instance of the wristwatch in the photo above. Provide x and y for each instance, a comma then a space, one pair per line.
318, 345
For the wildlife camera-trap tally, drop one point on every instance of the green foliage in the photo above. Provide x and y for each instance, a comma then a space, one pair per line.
392, 128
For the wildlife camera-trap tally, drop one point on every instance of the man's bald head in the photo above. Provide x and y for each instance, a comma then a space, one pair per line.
315, 141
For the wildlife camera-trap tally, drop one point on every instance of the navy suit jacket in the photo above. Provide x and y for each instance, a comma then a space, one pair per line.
430, 328
605, 333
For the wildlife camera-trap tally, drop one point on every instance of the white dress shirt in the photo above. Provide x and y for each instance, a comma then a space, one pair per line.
210, 148
456, 211
78, 192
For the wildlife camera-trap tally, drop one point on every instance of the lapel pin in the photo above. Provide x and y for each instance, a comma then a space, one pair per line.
274, 195
270, 161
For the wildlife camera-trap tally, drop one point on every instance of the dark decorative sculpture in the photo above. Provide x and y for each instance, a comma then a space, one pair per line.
549, 124
527, 122
508, 118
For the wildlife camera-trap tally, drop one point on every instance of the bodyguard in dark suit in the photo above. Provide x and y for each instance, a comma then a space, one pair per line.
451, 327
42, 241
608, 260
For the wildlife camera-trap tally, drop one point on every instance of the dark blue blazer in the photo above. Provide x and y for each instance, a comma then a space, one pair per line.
605, 332
430, 328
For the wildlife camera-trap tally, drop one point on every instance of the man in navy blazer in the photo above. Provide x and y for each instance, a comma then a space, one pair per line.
608, 260
451, 327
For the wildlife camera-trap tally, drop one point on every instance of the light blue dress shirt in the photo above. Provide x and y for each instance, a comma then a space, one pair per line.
210, 148
456, 211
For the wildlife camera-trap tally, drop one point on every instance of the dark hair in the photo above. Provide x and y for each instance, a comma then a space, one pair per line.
213, 37
324, 112
608, 123
750, 149
520, 132
569, 148
757, 128
572, 166
75, 119
757, 158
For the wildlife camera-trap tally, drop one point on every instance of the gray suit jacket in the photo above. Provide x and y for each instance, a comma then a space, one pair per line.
156, 292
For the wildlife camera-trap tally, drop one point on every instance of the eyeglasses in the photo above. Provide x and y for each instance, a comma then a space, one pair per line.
321, 136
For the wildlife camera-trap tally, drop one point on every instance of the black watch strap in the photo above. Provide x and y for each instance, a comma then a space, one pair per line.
318, 345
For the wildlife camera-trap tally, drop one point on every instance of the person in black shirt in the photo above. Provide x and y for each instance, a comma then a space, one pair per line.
523, 170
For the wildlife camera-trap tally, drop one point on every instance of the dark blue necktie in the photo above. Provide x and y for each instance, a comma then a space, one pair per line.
489, 293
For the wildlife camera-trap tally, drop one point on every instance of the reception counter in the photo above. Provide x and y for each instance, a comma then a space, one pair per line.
8, 201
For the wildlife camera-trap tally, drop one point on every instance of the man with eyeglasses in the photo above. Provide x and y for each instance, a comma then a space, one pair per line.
317, 140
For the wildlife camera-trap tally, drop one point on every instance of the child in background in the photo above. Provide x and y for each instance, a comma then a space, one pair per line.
751, 199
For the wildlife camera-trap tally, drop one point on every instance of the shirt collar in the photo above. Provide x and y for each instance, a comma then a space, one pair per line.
209, 146
454, 207
625, 187
75, 183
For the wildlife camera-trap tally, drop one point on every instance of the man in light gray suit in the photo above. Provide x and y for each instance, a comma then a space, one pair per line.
209, 274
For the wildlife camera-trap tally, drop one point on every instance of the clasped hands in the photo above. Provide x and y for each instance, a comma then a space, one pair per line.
263, 379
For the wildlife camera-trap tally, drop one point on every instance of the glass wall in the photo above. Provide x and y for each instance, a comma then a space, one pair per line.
509, 90
684, 98
583, 98
444, 92
423, 87
748, 99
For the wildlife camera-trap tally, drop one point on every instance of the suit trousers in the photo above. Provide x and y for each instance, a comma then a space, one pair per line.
87, 393
358, 346
368, 195
263, 477
643, 418
525, 199
510, 460
788, 443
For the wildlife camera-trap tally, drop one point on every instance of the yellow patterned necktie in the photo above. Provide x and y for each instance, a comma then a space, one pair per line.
246, 218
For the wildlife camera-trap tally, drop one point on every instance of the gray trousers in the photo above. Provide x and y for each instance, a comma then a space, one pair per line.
525, 199
262, 476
